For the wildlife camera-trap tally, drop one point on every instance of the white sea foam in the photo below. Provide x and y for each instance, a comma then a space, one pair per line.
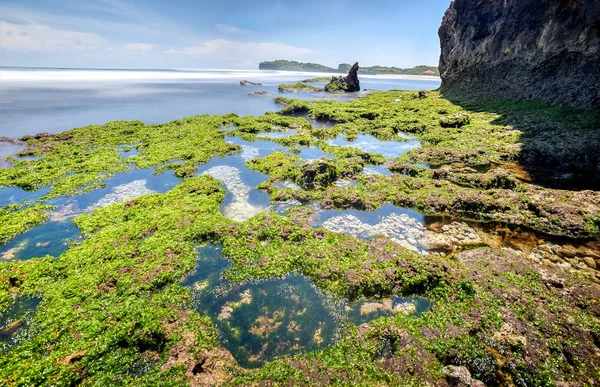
31, 75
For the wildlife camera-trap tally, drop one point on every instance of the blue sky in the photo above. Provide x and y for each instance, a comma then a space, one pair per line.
218, 34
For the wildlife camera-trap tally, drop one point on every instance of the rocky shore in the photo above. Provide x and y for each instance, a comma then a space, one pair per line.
522, 49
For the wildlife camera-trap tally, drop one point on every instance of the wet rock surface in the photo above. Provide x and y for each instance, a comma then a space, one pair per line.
523, 49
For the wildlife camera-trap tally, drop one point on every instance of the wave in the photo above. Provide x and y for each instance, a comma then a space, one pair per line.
17, 75
49, 75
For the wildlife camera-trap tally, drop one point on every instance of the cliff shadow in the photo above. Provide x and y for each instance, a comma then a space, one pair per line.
560, 146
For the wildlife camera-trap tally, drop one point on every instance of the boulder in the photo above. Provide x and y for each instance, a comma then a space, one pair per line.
522, 49
349, 83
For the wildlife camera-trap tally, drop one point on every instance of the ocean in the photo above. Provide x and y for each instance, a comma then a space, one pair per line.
34, 100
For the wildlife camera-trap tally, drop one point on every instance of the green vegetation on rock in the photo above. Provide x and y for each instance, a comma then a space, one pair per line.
16, 220
299, 88
114, 312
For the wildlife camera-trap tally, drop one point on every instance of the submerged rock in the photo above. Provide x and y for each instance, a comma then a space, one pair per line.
349, 83
248, 83
524, 49
261, 94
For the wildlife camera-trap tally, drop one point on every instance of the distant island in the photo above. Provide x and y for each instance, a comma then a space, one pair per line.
288, 65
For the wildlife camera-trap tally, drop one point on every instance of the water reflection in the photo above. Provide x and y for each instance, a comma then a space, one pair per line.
14, 195
368, 143
402, 225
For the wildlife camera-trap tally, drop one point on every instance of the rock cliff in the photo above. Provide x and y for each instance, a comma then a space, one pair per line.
546, 50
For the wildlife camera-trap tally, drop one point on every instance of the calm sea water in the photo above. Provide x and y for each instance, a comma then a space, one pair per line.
54, 100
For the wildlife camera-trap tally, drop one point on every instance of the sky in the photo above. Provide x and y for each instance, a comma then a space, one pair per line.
203, 34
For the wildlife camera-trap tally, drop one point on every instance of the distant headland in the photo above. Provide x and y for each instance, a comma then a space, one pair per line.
287, 65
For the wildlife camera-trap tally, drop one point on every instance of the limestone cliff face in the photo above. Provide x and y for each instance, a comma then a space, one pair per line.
546, 50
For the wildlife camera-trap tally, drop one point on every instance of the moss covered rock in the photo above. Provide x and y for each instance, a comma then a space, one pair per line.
318, 173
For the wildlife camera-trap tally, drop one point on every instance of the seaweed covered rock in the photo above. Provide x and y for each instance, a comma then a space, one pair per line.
299, 88
318, 173
524, 49
456, 121
349, 83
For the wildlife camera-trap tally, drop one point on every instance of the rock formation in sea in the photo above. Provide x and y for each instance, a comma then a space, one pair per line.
349, 83
525, 49
244, 82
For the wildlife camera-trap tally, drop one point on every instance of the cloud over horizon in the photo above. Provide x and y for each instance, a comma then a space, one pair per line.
234, 50
224, 33
38, 37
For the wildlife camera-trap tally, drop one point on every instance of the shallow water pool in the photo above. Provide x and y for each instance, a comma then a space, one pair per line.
369, 143
263, 320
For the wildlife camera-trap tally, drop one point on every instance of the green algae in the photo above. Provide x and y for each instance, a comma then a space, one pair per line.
113, 312
79, 160
299, 88
316, 80
335, 85
15, 220
113, 301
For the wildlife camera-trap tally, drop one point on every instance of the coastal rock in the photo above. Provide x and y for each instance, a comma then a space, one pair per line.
10, 140
299, 88
248, 83
349, 83
524, 49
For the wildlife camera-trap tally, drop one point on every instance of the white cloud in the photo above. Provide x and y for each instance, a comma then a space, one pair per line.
139, 47
39, 37
226, 29
229, 49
